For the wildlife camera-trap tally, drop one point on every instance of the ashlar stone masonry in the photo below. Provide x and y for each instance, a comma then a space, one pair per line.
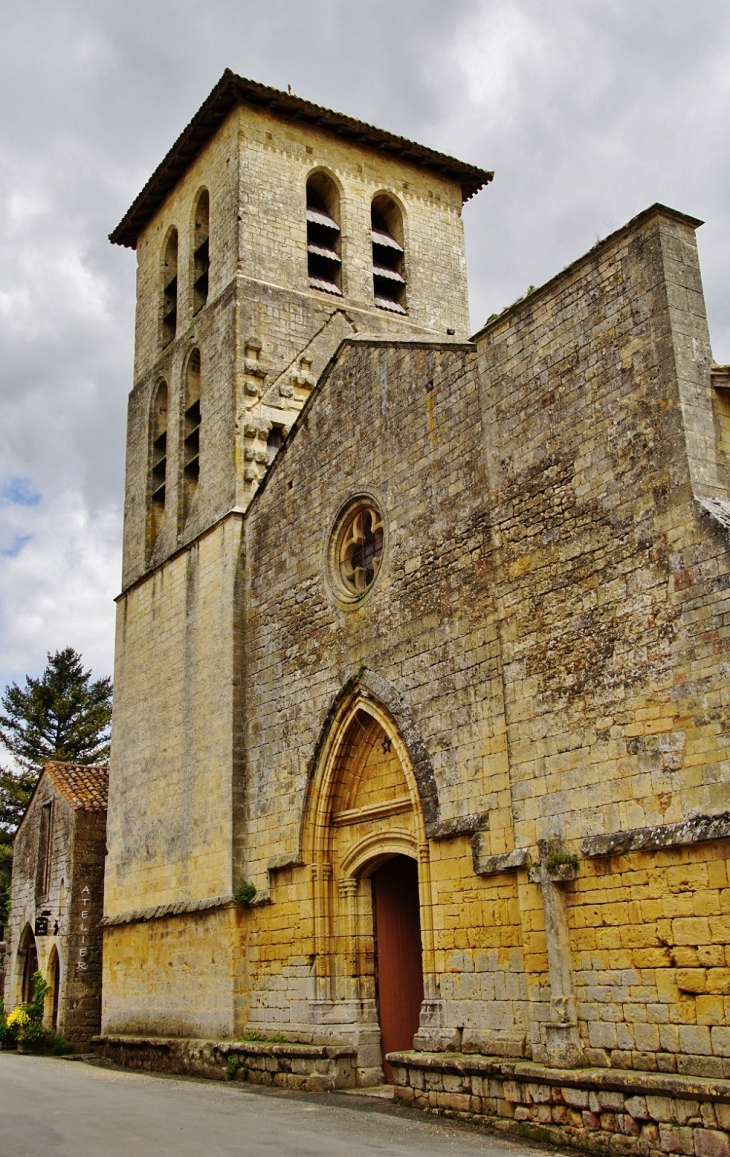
58, 898
468, 613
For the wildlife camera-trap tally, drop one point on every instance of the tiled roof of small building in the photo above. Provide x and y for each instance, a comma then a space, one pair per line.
83, 785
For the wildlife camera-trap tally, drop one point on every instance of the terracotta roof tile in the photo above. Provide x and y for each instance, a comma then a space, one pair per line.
83, 785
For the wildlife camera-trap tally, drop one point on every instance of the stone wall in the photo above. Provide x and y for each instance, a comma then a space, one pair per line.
176, 832
311, 1068
262, 318
74, 901
173, 776
544, 651
591, 1109
551, 610
182, 974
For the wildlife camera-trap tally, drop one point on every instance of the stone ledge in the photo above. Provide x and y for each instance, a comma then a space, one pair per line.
224, 1047
485, 865
621, 1112
620, 1080
312, 1068
267, 1048
465, 825
696, 830
139, 915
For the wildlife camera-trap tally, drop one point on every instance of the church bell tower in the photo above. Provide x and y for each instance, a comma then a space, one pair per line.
271, 231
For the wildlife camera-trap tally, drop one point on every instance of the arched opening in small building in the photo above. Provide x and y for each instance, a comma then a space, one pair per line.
29, 953
54, 979
398, 958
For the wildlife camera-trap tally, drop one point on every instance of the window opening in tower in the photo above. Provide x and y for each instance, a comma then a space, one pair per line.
323, 238
388, 280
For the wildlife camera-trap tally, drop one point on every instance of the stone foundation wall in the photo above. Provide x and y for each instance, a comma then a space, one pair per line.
312, 1068
599, 1110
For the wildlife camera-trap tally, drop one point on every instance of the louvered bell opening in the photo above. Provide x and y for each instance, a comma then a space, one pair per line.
323, 238
159, 470
169, 310
388, 280
191, 450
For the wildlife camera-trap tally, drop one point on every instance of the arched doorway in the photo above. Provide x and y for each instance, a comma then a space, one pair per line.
364, 836
28, 954
54, 979
398, 954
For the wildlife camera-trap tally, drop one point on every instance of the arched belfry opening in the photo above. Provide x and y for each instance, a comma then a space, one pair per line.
324, 258
365, 839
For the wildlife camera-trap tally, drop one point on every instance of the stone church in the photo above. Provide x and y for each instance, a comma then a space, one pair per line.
424, 637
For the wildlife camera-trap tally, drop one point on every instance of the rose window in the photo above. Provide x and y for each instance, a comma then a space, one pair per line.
360, 549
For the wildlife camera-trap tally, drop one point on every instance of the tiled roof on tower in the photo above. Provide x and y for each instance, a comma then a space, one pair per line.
232, 90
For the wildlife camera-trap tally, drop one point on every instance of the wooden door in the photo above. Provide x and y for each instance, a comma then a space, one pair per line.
399, 971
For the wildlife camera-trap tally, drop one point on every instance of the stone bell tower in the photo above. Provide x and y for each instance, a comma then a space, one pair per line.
271, 231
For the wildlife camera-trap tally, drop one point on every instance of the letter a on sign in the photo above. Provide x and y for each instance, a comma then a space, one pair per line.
86, 889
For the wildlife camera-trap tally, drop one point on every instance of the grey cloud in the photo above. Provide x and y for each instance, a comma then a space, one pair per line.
587, 111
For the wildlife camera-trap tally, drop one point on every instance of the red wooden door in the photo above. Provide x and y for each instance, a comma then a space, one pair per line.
399, 972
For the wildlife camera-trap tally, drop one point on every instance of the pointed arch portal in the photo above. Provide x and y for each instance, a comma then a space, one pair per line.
365, 838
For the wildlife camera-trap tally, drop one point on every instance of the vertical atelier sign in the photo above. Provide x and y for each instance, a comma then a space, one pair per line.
82, 962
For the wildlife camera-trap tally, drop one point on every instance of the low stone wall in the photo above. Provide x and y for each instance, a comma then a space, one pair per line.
313, 1068
603, 1111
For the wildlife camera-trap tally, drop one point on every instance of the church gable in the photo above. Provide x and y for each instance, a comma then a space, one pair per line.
388, 457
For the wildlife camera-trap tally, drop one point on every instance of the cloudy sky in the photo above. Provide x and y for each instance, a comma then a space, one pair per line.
588, 110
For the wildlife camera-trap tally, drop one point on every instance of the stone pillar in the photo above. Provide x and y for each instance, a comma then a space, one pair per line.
560, 1038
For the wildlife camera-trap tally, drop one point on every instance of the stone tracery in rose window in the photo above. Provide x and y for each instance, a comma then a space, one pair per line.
360, 549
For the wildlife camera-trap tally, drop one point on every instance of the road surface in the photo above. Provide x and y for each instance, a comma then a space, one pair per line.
67, 1108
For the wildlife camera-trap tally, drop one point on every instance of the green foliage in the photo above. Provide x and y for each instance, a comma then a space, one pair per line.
5, 1032
232, 1067
561, 859
58, 1045
16, 788
277, 1038
6, 872
40, 991
63, 715
244, 894
253, 1036
34, 1034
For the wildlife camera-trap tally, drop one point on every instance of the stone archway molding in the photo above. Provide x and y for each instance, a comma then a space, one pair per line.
369, 853
368, 686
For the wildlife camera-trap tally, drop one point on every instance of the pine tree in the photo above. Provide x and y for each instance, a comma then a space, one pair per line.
62, 715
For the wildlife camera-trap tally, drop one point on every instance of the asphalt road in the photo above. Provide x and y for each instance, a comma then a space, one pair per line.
61, 1108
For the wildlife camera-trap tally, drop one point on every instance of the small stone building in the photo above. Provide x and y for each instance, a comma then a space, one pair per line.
425, 637
57, 898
